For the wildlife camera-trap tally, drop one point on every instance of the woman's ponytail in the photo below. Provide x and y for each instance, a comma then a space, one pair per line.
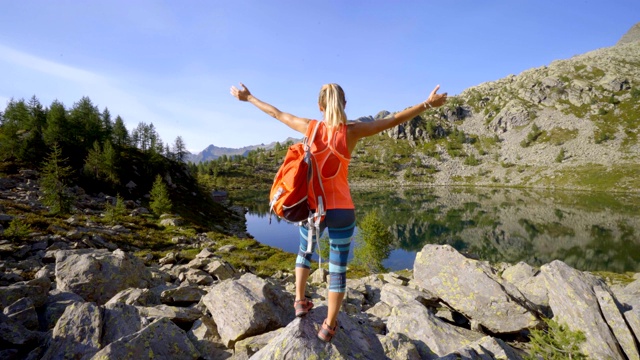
333, 101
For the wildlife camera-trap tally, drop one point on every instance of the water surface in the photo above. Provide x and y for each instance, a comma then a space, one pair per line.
589, 231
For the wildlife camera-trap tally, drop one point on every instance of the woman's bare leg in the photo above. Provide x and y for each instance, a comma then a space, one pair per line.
302, 274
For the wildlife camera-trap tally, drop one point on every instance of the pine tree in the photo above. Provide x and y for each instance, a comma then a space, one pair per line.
120, 135
373, 243
160, 202
53, 183
115, 212
93, 161
58, 128
179, 148
110, 162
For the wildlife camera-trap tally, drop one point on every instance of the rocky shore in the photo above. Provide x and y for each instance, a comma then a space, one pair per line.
97, 303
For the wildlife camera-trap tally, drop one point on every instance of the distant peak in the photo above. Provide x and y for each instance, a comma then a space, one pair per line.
632, 35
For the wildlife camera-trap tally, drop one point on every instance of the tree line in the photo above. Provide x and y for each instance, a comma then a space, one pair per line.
80, 142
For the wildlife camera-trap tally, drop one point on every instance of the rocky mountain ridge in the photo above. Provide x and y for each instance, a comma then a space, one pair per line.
567, 125
213, 152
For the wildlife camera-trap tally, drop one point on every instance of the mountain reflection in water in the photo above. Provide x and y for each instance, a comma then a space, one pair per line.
587, 230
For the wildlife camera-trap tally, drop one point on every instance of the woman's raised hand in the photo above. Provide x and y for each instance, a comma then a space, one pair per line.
240, 94
435, 99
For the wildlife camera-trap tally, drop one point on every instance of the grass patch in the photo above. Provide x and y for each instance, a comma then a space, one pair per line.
558, 136
619, 177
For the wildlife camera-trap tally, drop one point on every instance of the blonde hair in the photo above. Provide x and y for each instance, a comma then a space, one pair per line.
332, 99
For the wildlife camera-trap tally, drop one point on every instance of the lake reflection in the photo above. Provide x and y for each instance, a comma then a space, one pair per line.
589, 231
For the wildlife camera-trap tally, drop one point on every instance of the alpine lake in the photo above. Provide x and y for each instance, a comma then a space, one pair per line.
590, 231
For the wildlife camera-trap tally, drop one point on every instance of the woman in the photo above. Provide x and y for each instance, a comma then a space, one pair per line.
333, 145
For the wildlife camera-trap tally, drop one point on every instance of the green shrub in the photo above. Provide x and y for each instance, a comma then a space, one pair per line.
532, 136
556, 342
561, 155
17, 230
471, 160
373, 243
160, 202
114, 213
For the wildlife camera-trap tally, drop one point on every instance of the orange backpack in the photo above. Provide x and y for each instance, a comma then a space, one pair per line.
297, 193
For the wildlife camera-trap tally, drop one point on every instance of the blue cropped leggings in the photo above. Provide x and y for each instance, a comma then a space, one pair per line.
341, 224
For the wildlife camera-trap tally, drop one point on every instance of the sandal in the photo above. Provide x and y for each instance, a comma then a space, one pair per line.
326, 332
302, 307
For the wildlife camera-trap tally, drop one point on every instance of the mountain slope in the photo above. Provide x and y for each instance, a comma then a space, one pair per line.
571, 124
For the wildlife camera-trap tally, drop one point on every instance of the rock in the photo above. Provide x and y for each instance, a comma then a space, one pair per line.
77, 334
23, 311
513, 115
162, 339
179, 315
138, 297
247, 306
56, 304
196, 277
36, 290
222, 270
204, 335
486, 348
573, 301
171, 222
531, 284
432, 336
616, 322
170, 258
396, 295
98, 275
120, 320
471, 288
182, 295
298, 340
399, 347
14, 335
245, 348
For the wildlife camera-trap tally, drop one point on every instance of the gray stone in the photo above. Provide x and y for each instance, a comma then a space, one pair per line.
77, 334
176, 314
395, 295
120, 320
245, 348
473, 289
399, 347
204, 335
247, 306
573, 301
617, 323
162, 339
23, 311
98, 275
56, 304
432, 336
36, 290
182, 295
135, 296
298, 340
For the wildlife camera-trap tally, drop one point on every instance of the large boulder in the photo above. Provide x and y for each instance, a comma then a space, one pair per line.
248, 306
432, 336
162, 339
472, 288
573, 298
78, 333
299, 340
120, 320
36, 290
98, 275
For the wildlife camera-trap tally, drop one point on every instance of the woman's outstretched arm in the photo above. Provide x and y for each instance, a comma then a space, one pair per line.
363, 129
294, 122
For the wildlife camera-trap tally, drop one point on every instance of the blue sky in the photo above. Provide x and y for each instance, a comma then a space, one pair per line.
171, 63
